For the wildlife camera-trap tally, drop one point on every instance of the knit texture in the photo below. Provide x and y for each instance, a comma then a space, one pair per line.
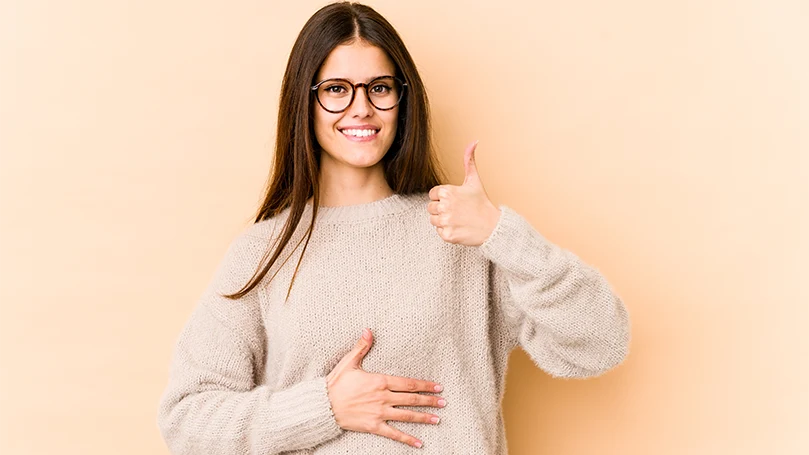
248, 376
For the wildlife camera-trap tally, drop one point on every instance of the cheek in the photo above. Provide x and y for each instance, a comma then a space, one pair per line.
323, 126
393, 122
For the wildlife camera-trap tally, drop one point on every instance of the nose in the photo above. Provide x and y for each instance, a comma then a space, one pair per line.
361, 106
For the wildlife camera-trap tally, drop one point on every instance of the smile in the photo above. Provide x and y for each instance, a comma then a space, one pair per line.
360, 134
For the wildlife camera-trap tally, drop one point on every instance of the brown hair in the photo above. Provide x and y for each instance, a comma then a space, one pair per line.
410, 165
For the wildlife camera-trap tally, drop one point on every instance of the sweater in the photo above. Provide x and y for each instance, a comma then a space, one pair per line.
247, 376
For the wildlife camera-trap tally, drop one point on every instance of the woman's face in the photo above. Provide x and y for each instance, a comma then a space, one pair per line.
344, 136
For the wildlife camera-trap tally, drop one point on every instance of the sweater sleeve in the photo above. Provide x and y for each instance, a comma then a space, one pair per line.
213, 404
560, 310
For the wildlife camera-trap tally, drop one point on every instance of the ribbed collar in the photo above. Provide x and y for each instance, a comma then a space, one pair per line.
391, 205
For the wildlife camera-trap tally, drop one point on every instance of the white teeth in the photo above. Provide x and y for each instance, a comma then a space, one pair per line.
359, 133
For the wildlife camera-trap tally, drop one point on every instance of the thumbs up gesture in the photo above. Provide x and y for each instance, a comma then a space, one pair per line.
463, 214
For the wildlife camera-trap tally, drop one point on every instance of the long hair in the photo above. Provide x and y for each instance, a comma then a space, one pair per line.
410, 165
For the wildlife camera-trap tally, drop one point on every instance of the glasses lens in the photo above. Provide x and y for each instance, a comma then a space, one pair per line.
385, 92
334, 95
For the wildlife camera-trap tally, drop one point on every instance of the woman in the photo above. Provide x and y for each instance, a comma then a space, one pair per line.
271, 360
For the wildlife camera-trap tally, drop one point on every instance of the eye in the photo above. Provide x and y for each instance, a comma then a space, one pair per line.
334, 89
380, 89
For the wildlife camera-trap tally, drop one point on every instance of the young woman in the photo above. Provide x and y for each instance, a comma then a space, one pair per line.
365, 284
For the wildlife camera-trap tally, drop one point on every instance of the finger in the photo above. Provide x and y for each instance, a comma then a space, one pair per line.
404, 384
445, 232
361, 348
438, 192
434, 207
470, 166
405, 415
392, 433
414, 399
435, 220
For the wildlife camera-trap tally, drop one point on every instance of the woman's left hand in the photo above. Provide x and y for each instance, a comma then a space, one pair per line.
463, 214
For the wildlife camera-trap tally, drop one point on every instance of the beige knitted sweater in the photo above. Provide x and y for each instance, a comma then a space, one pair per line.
248, 376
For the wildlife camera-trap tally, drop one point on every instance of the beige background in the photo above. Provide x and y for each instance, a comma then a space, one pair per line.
665, 142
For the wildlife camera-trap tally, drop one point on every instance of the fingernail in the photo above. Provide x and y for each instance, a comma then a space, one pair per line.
442, 402
418, 444
366, 333
439, 388
434, 419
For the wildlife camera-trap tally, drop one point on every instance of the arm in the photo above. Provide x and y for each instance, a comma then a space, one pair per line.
560, 310
212, 404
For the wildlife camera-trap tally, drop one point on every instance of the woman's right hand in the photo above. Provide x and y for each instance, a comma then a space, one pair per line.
363, 401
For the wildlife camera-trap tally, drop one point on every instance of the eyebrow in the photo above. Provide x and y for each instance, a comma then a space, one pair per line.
352, 80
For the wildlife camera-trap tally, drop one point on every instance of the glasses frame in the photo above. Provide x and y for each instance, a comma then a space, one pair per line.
354, 88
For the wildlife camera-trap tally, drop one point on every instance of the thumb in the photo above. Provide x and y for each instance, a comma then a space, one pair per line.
470, 167
361, 348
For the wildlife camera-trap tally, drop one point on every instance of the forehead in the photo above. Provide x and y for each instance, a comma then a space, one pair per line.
357, 62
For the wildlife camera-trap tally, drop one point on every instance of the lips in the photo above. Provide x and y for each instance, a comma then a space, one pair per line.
360, 133
356, 130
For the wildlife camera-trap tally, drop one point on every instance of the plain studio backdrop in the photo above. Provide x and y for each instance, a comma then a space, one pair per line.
666, 143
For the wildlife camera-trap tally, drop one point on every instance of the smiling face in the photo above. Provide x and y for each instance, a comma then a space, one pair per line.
361, 135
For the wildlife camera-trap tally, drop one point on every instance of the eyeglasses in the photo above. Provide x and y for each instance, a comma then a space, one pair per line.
336, 95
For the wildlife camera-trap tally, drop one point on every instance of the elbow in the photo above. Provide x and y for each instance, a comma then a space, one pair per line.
169, 425
608, 348
579, 359
166, 431
596, 365
604, 353
610, 356
618, 343
599, 362
591, 356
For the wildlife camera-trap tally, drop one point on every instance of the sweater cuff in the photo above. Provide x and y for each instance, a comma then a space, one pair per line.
297, 417
515, 245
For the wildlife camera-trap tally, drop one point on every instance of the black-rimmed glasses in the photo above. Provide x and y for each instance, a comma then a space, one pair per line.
335, 95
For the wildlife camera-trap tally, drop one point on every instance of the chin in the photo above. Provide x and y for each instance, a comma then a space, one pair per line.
364, 163
362, 157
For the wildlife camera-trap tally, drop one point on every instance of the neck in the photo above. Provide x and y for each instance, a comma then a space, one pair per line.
352, 186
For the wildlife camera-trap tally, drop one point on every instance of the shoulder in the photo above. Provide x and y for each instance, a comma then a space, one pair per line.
244, 254
262, 232
421, 196
419, 199
253, 237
